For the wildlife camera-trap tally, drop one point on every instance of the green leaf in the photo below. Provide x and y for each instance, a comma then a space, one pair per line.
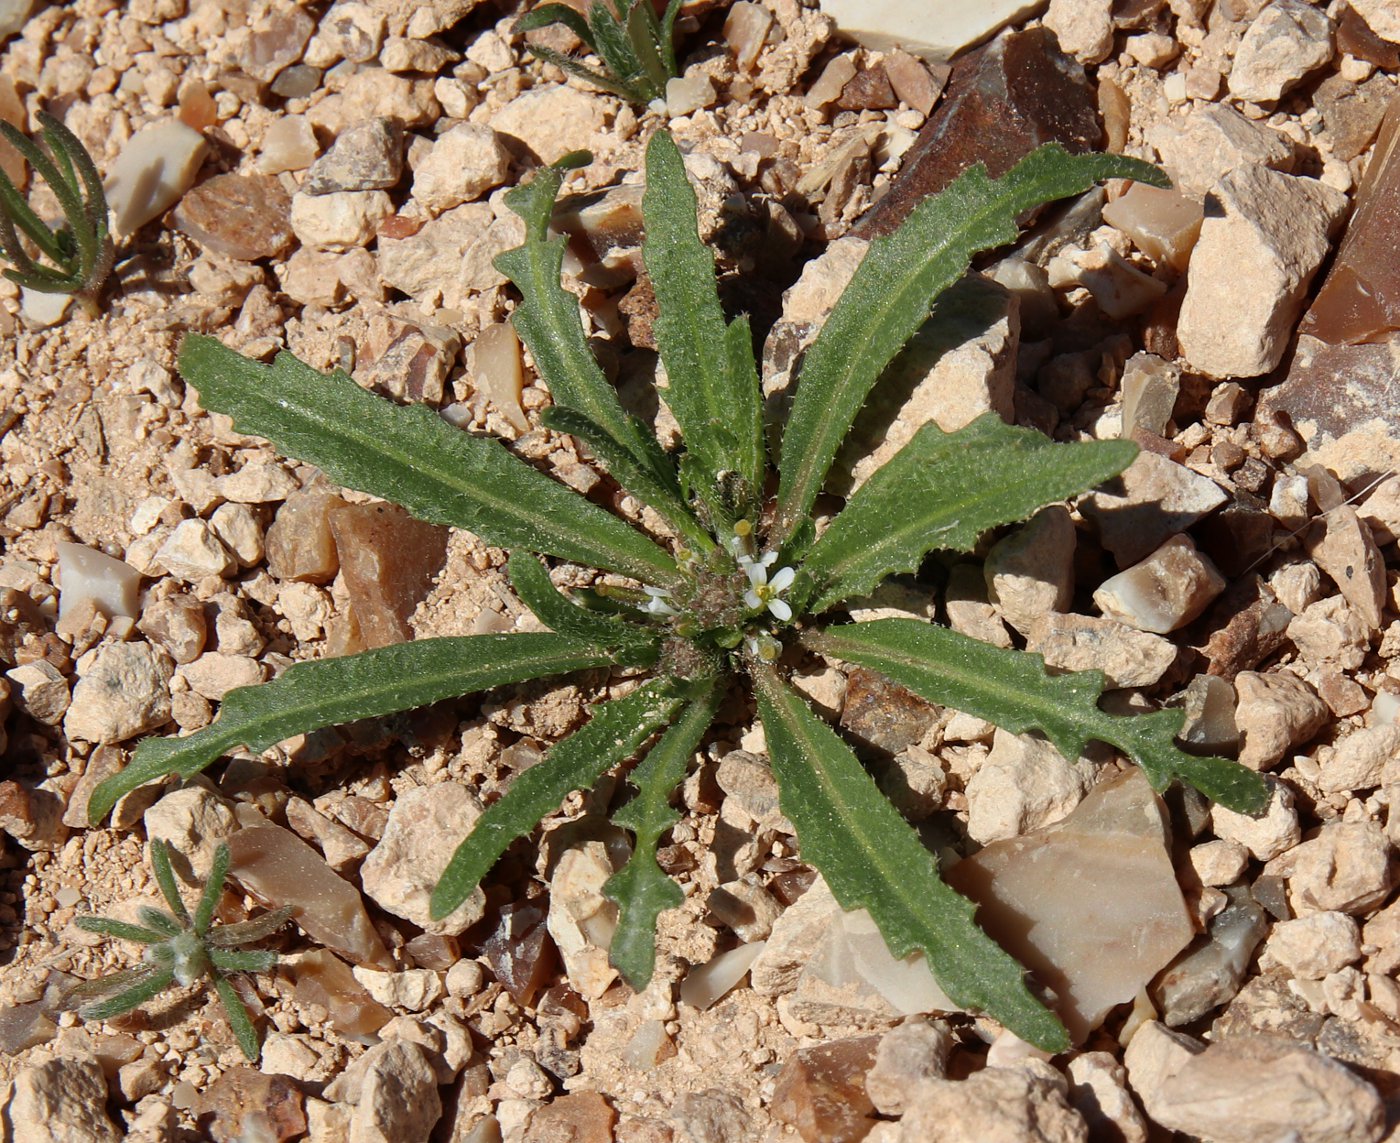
146, 984
942, 491
241, 960
893, 290
213, 889
238, 1018
872, 859
165, 878
664, 498
245, 932
642, 891
548, 321
413, 457
614, 733
547, 14
1013, 690
583, 71
559, 613
713, 385
122, 930
325, 692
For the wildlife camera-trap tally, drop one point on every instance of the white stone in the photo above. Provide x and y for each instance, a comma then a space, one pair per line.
410, 989
1199, 148
393, 1089
123, 690
1288, 39
581, 920
1219, 862
1023, 784
552, 121
1025, 1103
155, 167
86, 574
909, 24
1083, 27
341, 220
1275, 713
1381, 16
428, 265
1127, 657
1346, 867
1251, 267
465, 162
1099, 1092
235, 526
258, 482
193, 552
62, 1100
1154, 499
1251, 1089
1163, 592
1316, 945
1031, 571
906, 1056
214, 674
192, 822
1360, 760
1274, 831
425, 826
40, 690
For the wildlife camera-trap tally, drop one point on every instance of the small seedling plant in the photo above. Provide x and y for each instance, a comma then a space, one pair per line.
744, 582
77, 257
637, 49
182, 949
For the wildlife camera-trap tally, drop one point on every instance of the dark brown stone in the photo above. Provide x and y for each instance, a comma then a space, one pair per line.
870, 90
1354, 36
1352, 112
244, 217
521, 952
1360, 300
1247, 625
821, 1091
388, 560
1003, 101
582, 1117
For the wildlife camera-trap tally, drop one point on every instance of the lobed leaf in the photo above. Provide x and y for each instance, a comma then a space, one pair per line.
713, 381
547, 320
942, 491
893, 290
615, 732
640, 888
413, 457
312, 695
872, 859
1013, 690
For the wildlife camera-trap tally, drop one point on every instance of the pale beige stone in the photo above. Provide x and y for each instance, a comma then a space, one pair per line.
1275, 713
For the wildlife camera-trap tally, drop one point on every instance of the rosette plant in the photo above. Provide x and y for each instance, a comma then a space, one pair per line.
742, 582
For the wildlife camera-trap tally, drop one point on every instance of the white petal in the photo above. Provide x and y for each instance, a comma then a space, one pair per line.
780, 609
751, 600
783, 580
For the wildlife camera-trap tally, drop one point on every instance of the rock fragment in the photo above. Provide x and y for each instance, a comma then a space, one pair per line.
821, 1094
1031, 571
1163, 592
1023, 784
1199, 149
339, 220
1347, 867
906, 1056
400, 873
62, 1100
465, 162
244, 1103
1155, 498
1099, 1092
155, 167
1251, 1089
1127, 657
193, 552
393, 1089
123, 690
366, 156
1273, 832
1026, 1103
388, 560
1316, 945
551, 121
1342, 546
1275, 713
40, 690
243, 217
1090, 904
1286, 41
1270, 234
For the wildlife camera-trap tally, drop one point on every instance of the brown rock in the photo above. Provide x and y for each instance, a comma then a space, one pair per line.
1342, 546
821, 1091
520, 951
883, 713
1003, 101
870, 90
581, 1117
1354, 36
300, 543
1360, 300
243, 1103
388, 560
1247, 624
244, 217
321, 978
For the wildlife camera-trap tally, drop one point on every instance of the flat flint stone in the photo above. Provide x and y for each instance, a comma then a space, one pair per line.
1003, 101
244, 217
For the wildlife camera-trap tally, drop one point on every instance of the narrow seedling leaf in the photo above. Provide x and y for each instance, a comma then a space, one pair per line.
122, 930
239, 1020
1013, 690
872, 859
712, 380
640, 888
165, 878
327, 692
145, 984
893, 290
413, 457
615, 731
942, 491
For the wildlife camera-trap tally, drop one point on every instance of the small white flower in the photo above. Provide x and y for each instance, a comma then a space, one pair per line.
764, 592
660, 602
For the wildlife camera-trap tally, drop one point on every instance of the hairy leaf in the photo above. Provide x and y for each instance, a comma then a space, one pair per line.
238, 1018
642, 891
325, 692
665, 499
546, 14
1013, 690
713, 382
942, 491
548, 321
615, 732
872, 859
143, 984
559, 613
413, 457
122, 930
165, 878
891, 294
